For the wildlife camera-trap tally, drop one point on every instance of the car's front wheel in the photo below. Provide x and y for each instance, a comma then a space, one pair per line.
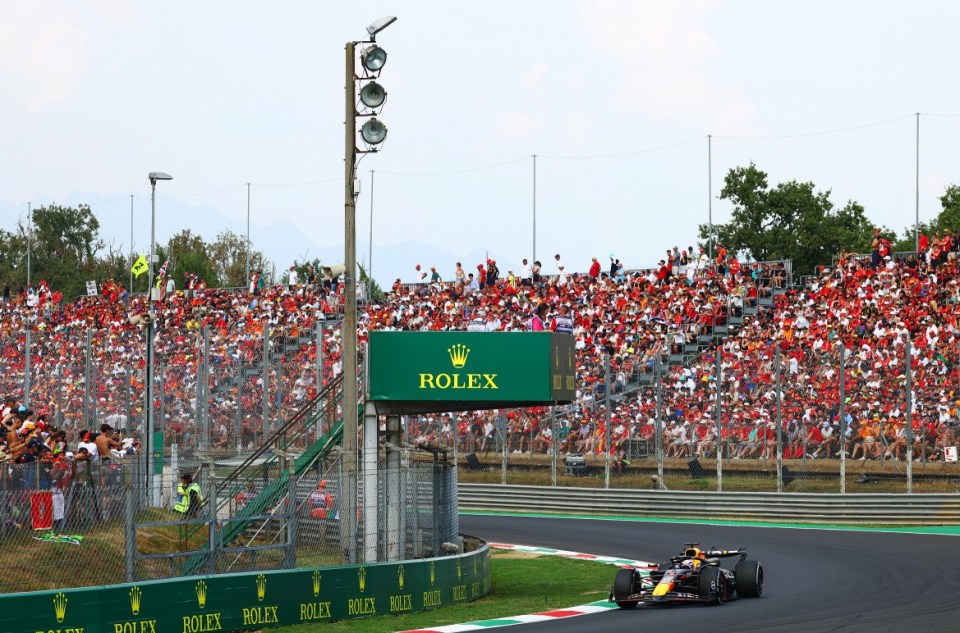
713, 586
623, 587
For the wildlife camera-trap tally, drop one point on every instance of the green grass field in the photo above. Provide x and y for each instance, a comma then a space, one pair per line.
522, 583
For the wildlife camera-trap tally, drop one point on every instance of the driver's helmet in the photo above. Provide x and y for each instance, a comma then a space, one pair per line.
694, 556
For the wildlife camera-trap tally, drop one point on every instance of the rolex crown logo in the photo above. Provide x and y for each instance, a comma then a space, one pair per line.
202, 594
261, 587
362, 578
458, 355
135, 595
316, 584
400, 576
60, 606
459, 571
433, 572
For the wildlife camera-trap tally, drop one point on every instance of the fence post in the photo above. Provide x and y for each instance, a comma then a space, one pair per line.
843, 419
553, 446
59, 396
659, 434
909, 432
437, 490
290, 558
321, 418
776, 357
212, 508
266, 383
606, 418
719, 383
130, 531
238, 423
505, 436
86, 383
204, 384
26, 370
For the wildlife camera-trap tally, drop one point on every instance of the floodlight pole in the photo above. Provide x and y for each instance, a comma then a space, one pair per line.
348, 530
29, 237
246, 278
916, 222
349, 337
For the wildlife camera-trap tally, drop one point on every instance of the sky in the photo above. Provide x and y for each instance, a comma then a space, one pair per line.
615, 98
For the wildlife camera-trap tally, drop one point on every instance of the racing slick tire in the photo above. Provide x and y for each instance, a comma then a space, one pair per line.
622, 587
713, 586
749, 577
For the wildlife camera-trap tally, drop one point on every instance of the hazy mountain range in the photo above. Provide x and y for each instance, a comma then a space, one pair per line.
281, 241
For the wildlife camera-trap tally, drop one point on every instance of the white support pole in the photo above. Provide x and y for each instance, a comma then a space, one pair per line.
370, 505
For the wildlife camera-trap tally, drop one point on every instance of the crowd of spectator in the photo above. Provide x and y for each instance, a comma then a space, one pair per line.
258, 348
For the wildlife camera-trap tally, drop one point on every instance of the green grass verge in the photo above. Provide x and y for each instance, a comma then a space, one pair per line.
522, 583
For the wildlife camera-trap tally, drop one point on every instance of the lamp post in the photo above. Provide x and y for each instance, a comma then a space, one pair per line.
246, 279
133, 257
373, 133
29, 238
148, 438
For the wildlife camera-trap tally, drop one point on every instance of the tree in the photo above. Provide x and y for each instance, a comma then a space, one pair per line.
790, 221
228, 255
64, 248
947, 220
187, 253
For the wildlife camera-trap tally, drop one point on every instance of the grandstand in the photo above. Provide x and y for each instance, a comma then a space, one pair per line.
689, 345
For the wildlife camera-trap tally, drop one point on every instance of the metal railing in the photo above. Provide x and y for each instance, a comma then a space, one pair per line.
877, 509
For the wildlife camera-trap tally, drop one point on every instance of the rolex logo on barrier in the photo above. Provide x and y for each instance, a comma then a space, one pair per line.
459, 571
458, 355
261, 587
433, 572
400, 576
201, 594
60, 606
135, 596
316, 584
457, 380
362, 578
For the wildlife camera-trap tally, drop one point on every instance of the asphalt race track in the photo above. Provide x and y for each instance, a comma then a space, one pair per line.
816, 580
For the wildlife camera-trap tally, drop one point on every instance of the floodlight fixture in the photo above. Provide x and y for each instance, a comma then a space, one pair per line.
373, 58
379, 25
373, 95
373, 132
154, 176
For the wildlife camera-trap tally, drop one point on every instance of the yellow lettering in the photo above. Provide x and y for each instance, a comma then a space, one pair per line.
473, 381
431, 598
490, 384
201, 623
443, 381
426, 379
460, 592
314, 611
137, 626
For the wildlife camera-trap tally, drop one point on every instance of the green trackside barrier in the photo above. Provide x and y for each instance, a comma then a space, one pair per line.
231, 602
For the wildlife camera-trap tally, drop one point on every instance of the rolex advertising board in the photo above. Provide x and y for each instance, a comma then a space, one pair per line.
232, 602
412, 372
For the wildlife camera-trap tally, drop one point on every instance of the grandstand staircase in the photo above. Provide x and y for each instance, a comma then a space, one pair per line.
715, 335
266, 463
279, 348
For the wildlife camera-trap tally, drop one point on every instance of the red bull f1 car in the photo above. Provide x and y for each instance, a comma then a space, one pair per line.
696, 576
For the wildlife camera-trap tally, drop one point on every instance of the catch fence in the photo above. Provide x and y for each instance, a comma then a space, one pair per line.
76, 524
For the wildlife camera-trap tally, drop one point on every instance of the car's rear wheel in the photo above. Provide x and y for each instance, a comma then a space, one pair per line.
713, 586
749, 576
623, 586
